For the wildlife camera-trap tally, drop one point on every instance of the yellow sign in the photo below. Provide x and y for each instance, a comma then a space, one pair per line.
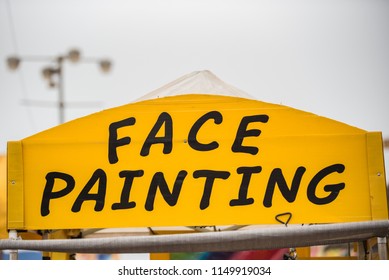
195, 160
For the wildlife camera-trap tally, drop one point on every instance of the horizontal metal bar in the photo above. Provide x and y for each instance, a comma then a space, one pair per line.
261, 238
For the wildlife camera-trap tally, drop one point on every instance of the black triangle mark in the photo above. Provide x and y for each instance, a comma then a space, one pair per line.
284, 214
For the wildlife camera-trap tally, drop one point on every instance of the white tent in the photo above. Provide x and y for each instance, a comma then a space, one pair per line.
204, 82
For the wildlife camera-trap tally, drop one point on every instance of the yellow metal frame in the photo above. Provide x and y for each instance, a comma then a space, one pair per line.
15, 186
376, 171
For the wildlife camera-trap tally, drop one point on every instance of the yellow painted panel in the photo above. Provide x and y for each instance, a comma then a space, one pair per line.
160, 256
378, 193
196, 160
3, 200
15, 182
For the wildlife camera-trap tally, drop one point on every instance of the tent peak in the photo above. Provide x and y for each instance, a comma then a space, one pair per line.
202, 82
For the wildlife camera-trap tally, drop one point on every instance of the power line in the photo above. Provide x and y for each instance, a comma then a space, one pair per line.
12, 27
15, 47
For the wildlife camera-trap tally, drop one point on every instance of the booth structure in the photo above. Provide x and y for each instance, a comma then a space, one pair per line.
242, 174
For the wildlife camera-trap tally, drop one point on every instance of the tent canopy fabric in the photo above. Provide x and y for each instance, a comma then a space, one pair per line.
204, 82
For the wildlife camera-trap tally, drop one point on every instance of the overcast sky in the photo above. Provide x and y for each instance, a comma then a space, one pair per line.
327, 57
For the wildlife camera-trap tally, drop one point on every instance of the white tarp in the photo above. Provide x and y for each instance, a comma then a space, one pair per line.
204, 82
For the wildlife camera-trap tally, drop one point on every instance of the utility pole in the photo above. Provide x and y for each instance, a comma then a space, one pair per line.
54, 74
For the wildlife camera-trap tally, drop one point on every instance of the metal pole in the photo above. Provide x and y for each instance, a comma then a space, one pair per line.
13, 254
61, 95
363, 250
382, 248
45, 255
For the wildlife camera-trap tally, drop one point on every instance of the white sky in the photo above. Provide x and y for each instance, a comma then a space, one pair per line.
329, 57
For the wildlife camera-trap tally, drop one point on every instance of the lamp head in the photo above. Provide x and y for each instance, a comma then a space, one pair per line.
13, 62
105, 65
74, 55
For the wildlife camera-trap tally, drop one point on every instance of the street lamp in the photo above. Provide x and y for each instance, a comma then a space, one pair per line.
54, 74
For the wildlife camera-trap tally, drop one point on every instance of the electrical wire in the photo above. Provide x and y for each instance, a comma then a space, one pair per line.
15, 47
